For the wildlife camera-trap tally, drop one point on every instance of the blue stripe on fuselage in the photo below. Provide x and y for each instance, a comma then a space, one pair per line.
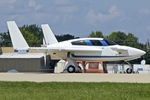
81, 56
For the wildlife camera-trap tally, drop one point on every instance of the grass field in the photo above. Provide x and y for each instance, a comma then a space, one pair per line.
73, 91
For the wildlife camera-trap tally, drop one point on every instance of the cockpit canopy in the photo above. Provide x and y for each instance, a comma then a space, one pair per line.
88, 42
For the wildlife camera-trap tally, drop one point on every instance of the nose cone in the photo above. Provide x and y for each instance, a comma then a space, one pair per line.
141, 52
136, 52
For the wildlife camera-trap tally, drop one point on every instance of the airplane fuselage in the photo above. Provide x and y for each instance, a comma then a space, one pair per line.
93, 49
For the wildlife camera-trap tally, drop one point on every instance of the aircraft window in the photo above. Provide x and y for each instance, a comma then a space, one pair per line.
88, 42
104, 43
110, 42
96, 43
81, 42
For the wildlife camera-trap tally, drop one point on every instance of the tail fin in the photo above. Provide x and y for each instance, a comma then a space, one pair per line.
44, 43
18, 41
48, 35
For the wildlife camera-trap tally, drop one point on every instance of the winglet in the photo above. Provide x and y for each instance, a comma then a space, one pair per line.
18, 41
48, 35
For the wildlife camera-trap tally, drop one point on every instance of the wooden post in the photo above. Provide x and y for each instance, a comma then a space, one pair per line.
84, 65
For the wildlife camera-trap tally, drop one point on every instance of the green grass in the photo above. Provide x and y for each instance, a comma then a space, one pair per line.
73, 91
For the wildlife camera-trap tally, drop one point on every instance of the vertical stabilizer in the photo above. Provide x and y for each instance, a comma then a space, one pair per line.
18, 41
48, 35
44, 43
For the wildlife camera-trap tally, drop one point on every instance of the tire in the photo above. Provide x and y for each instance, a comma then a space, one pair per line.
129, 70
71, 69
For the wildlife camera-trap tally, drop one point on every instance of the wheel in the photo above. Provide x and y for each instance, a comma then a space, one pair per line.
129, 70
71, 69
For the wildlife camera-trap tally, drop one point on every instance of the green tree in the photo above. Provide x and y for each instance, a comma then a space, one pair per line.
118, 37
5, 39
33, 35
131, 40
65, 37
96, 34
147, 56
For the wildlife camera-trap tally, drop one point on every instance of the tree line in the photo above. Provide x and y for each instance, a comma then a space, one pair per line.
34, 37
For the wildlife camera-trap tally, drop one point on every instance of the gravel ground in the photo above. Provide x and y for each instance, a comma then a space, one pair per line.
78, 77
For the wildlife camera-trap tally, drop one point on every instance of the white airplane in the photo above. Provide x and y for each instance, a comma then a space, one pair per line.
82, 49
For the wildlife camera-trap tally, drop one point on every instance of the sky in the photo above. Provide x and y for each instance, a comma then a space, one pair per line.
80, 17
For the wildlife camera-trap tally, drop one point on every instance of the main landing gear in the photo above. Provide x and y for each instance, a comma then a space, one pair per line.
72, 67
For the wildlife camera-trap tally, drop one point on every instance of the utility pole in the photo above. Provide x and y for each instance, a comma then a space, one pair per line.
147, 44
